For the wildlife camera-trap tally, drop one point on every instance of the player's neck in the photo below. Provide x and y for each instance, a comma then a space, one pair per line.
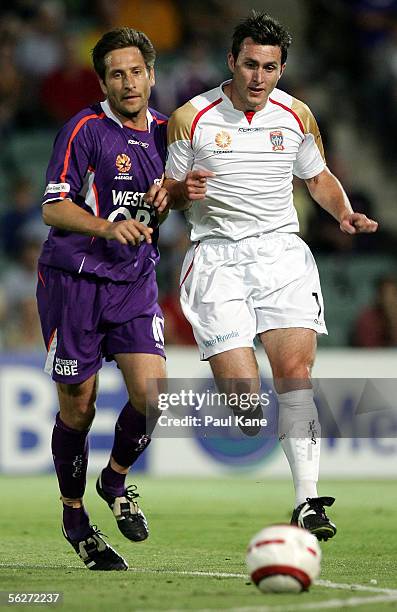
137, 122
240, 104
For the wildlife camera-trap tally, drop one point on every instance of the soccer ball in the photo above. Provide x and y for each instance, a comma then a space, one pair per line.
284, 559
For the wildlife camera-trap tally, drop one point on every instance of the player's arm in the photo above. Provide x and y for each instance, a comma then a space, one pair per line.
183, 184
66, 215
323, 186
159, 198
327, 191
192, 188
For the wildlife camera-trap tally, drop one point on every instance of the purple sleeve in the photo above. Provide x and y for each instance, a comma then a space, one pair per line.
70, 160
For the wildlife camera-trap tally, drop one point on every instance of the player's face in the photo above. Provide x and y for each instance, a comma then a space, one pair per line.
255, 74
127, 83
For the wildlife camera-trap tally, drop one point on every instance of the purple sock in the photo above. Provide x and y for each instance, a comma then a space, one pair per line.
70, 453
112, 482
132, 435
76, 522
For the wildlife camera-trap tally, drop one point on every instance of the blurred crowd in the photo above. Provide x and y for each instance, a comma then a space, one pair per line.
46, 77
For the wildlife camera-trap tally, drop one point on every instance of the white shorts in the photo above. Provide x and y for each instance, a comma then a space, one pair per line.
231, 291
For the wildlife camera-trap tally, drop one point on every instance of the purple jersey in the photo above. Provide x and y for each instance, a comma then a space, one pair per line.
106, 169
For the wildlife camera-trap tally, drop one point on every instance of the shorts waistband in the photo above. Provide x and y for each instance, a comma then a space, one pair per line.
228, 242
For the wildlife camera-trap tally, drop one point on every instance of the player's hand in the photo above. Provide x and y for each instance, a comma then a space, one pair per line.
358, 223
128, 232
158, 197
195, 184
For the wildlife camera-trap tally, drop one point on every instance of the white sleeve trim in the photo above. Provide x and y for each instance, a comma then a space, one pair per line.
309, 162
180, 160
55, 200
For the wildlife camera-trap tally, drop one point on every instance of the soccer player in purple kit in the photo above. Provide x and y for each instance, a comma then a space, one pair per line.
97, 291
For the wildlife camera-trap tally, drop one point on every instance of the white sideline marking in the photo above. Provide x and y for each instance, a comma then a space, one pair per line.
354, 587
350, 602
146, 570
385, 595
324, 583
189, 573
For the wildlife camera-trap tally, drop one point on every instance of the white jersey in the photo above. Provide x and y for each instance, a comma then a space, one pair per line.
254, 157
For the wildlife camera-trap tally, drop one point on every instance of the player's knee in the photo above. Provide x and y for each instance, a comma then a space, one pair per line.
138, 398
147, 405
85, 413
238, 386
79, 415
77, 404
293, 369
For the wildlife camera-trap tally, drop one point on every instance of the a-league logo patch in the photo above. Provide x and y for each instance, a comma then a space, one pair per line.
123, 163
277, 139
223, 139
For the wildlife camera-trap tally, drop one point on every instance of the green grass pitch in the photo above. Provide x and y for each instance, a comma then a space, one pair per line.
197, 525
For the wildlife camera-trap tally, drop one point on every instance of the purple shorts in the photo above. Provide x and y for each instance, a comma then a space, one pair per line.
85, 319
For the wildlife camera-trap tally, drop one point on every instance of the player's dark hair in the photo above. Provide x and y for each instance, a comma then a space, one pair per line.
120, 38
264, 30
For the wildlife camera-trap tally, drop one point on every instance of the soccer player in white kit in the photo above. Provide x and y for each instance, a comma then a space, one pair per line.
233, 152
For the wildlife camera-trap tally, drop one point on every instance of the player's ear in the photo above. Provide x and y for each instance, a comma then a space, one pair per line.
282, 69
152, 77
230, 61
103, 87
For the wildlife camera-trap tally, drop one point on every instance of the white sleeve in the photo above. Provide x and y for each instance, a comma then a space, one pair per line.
309, 161
179, 160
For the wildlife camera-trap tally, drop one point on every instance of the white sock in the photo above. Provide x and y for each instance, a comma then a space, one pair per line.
300, 436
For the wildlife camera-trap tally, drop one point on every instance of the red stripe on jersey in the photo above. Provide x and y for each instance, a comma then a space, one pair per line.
72, 137
200, 114
290, 111
159, 121
96, 198
41, 278
51, 339
249, 115
191, 265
